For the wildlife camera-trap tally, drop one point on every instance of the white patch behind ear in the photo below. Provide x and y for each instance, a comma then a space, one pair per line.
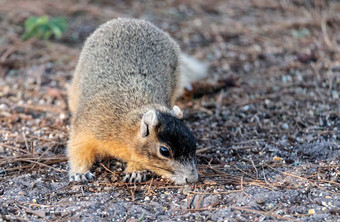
176, 111
149, 120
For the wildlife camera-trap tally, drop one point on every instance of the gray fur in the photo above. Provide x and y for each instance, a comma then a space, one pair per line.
140, 66
185, 172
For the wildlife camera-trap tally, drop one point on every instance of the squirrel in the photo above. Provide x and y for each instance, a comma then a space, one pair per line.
124, 85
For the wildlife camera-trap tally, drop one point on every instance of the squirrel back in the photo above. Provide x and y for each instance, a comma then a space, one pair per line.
130, 58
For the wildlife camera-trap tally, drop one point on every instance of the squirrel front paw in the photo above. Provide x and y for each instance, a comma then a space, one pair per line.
135, 177
84, 177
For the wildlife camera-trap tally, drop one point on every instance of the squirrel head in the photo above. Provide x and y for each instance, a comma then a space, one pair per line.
167, 147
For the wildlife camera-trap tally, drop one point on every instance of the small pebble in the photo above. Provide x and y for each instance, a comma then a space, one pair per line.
285, 126
275, 158
186, 190
270, 206
22, 193
107, 188
245, 108
260, 201
311, 211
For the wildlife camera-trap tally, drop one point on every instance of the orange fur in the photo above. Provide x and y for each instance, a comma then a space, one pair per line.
81, 152
84, 147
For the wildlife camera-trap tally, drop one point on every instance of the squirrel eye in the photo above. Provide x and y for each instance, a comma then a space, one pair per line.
164, 151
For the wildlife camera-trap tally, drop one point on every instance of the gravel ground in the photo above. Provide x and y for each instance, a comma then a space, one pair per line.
267, 118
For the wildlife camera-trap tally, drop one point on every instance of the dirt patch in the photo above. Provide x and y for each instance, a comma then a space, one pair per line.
267, 119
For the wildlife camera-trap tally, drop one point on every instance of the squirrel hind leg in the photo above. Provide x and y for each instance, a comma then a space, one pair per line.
81, 155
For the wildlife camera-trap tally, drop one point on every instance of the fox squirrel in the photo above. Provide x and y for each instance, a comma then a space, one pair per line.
127, 77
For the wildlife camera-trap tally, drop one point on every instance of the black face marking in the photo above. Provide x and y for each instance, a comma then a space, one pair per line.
177, 136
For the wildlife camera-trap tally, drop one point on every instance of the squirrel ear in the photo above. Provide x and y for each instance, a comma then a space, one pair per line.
149, 120
176, 111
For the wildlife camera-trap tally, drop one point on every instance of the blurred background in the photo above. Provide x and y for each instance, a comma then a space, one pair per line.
271, 96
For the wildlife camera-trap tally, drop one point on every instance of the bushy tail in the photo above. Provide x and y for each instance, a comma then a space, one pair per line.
191, 70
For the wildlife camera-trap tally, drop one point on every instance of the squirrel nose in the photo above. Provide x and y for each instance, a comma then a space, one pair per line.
192, 178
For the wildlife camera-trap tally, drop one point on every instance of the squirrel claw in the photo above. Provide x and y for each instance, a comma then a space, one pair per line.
85, 177
135, 177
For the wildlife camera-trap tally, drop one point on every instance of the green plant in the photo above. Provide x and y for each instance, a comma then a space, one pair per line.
141, 219
300, 33
44, 27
